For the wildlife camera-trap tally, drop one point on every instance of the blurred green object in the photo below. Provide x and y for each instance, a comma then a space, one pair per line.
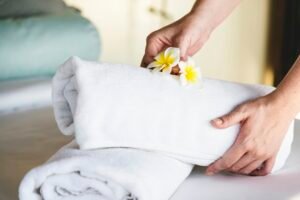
36, 46
21, 8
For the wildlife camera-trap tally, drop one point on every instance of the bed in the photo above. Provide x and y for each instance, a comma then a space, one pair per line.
29, 136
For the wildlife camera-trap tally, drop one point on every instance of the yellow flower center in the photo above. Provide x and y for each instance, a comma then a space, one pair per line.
191, 75
164, 62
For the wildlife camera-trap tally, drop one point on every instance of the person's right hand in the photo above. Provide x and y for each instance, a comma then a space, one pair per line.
188, 34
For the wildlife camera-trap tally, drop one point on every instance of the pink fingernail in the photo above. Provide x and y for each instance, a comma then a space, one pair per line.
209, 173
218, 121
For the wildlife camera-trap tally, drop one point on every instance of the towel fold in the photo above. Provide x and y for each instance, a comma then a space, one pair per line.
113, 105
110, 174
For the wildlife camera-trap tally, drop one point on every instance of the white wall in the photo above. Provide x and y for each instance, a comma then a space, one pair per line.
236, 50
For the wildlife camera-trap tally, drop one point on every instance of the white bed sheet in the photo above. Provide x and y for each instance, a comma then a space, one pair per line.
28, 138
24, 94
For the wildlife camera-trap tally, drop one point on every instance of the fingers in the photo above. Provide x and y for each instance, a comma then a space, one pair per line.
234, 117
251, 167
154, 45
230, 157
242, 163
163, 38
266, 168
146, 60
183, 44
150, 53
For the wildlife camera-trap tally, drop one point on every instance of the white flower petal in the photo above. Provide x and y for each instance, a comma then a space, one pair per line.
156, 70
151, 65
199, 72
190, 61
173, 51
159, 56
167, 71
182, 65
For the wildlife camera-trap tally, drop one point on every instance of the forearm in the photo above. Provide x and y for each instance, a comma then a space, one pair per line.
212, 12
288, 92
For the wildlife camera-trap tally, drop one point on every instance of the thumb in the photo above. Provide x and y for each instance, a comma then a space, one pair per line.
148, 57
146, 60
153, 47
232, 118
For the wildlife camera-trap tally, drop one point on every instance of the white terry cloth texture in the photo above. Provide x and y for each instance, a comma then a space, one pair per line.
114, 105
110, 174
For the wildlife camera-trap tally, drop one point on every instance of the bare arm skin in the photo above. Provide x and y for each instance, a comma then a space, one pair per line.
191, 31
264, 121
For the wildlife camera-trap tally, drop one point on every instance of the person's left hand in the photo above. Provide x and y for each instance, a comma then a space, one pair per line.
264, 123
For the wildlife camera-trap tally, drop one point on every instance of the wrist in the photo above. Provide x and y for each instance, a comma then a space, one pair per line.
202, 17
195, 21
213, 12
282, 103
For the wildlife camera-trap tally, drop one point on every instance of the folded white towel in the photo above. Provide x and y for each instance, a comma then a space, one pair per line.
110, 174
140, 133
111, 105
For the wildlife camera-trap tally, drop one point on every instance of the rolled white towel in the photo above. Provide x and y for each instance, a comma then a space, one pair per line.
104, 174
113, 105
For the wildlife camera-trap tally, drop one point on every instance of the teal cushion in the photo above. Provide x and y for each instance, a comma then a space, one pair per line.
37, 45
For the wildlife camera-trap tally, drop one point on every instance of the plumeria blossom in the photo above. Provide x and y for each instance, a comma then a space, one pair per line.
189, 73
166, 60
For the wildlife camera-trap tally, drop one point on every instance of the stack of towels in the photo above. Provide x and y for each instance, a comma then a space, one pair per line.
137, 133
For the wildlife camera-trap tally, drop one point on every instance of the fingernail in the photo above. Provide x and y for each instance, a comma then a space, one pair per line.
218, 121
209, 173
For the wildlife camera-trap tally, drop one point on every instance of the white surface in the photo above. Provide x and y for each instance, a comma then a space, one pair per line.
17, 95
114, 105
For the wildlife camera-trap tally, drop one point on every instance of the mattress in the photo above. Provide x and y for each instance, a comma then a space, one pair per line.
29, 137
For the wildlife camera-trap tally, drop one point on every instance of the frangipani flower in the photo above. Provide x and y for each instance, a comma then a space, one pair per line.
189, 73
165, 60
169, 62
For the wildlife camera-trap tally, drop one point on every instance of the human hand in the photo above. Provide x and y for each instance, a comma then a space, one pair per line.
264, 122
188, 34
